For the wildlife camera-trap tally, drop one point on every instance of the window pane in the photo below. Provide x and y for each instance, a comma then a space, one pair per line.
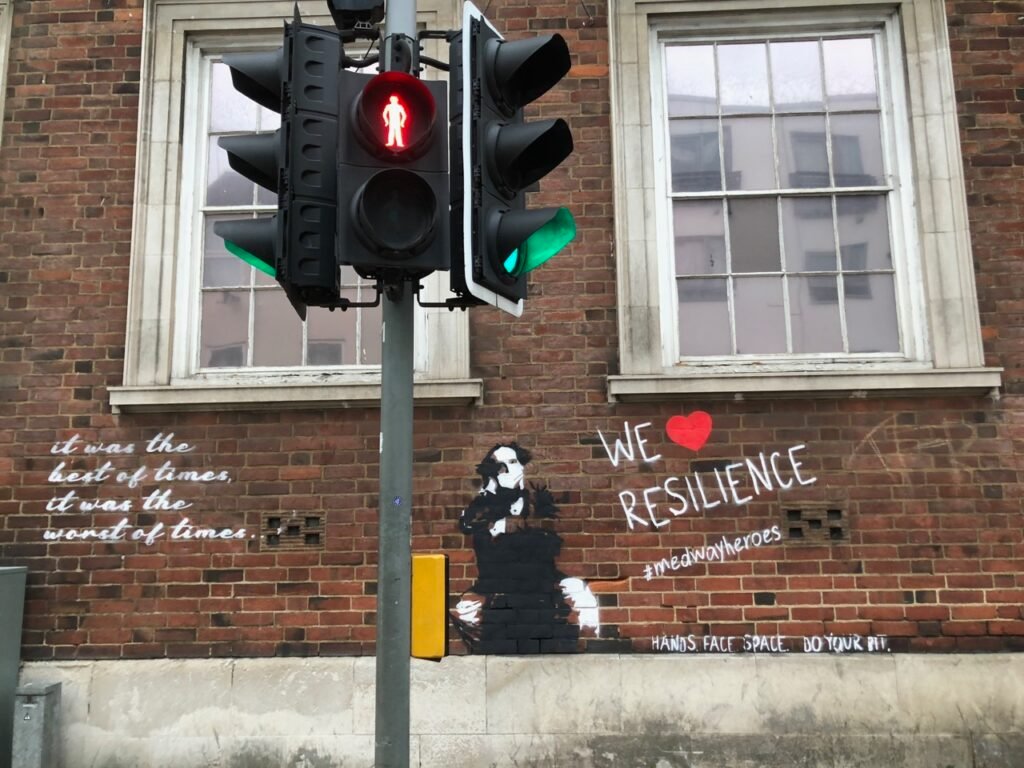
263, 278
749, 160
807, 234
349, 277
854, 256
814, 314
229, 109
327, 339
699, 237
221, 269
871, 313
796, 76
277, 333
803, 156
865, 219
265, 196
791, 291
760, 320
690, 70
695, 156
225, 329
704, 317
370, 336
857, 150
269, 119
823, 260
224, 186
743, 68
850, 74
754, 235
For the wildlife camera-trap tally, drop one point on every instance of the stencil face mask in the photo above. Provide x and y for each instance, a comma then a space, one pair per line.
512, 476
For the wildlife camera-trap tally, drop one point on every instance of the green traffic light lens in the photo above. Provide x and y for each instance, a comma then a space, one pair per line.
544, 243
251, 259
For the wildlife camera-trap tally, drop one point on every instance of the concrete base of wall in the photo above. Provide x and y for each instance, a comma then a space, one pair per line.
649, 711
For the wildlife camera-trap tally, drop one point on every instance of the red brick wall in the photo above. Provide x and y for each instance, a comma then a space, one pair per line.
988, 63
929, 488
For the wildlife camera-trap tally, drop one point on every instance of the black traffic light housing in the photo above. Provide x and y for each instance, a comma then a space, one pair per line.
496, 156
393, 190
297, 244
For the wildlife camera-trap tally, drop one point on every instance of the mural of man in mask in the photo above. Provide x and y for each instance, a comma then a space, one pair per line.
520, 602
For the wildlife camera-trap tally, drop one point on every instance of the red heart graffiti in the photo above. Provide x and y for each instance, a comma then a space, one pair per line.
689, 431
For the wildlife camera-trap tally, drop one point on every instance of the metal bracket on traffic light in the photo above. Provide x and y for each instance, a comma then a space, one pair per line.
344, 304
402, 53
460, 302
434, 34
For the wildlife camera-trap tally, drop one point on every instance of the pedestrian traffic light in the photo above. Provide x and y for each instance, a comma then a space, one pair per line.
496, 156
296, 245
393, 175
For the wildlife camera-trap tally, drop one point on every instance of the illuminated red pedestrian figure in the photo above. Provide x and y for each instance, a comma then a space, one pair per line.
394, 119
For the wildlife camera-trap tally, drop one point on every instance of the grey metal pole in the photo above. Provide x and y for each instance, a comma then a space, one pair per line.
394, 544
394, 537
400, 18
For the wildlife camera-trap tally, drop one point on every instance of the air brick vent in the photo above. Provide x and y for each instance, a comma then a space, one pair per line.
814, 524
289, 533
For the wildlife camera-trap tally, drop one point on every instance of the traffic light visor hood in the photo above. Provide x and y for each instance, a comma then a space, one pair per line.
258, 76
527, 239
251, 240
524, 153
249, 258
256, 156
524, 70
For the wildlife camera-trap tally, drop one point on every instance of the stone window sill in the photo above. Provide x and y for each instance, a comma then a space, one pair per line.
749, 385
292, 396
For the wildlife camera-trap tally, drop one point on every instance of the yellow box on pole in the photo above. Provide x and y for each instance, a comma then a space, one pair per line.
429, 636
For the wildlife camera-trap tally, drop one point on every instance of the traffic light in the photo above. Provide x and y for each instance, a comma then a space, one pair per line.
393, 175
496, 156
296, 245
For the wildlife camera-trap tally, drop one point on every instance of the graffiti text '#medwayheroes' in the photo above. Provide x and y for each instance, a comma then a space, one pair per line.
736, 483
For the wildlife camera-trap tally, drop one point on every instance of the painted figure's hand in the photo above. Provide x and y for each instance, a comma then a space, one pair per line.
543, 501
468, 608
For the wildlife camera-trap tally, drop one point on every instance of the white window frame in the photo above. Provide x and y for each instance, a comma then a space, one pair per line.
940, 328
161, 367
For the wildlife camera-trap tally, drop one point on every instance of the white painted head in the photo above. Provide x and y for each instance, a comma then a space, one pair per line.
511, 476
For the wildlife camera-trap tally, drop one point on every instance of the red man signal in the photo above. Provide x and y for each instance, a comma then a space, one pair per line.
395, 116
